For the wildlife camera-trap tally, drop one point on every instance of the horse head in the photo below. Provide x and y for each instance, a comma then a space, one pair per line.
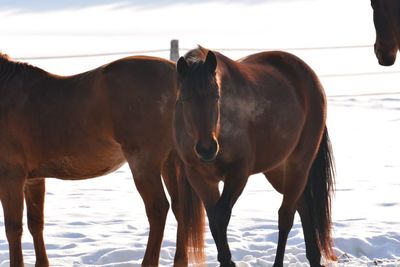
198, 94
387, 27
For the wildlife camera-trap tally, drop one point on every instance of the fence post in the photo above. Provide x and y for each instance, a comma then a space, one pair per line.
174, 52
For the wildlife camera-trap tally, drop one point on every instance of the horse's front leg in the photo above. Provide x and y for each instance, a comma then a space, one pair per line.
147, 177
34, 196
206, 189
12, 199
219, 216
219, 211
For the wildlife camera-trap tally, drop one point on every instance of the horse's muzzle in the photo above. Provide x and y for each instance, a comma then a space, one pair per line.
385, 58
207, 151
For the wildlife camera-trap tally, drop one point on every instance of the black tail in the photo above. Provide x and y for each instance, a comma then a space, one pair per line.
193, 218
318, 194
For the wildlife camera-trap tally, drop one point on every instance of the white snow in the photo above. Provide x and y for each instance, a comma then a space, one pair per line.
101, 222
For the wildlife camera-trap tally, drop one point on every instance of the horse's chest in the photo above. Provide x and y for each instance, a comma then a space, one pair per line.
212, 171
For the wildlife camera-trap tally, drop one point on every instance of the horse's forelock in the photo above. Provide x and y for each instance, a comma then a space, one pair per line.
195, 55
197, 85
198, 74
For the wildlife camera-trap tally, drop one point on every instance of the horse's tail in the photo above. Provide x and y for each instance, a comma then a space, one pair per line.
318, 195
193, 218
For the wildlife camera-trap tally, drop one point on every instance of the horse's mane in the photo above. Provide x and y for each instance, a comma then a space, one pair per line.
9, 67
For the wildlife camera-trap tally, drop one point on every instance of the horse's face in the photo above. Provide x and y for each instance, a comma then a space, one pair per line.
386, 43
199, 97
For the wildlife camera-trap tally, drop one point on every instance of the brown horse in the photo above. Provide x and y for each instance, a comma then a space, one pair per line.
264, 113
387, 27
84, 126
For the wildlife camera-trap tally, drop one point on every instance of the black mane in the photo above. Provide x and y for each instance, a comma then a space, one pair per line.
9, 68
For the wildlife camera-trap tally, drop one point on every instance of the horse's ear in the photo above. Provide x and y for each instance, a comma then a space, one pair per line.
182, 66
211, 61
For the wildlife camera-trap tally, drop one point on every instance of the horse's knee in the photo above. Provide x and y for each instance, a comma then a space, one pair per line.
219, 217
35, 226
223, 216
159, 210
13, 230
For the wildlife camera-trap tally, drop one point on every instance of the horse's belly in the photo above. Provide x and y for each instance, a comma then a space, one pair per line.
81, 166
272, 151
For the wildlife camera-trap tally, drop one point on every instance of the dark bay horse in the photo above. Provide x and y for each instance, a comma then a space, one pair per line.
264, 113
387, 27
84, 126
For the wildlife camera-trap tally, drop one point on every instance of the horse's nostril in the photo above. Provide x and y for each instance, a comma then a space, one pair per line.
207, 152
385, 56
214, 145
198, 148
386, 60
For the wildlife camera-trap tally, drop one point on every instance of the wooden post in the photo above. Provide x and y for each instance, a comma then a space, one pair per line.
174, 52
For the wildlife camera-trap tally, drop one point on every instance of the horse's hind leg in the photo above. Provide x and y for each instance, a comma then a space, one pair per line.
169, 173
34, 197
147, 177
295, 179
12, 199
312, 250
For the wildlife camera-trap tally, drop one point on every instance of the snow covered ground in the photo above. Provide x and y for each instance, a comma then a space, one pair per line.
101, 222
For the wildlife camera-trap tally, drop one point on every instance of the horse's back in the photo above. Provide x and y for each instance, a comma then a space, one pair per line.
139, 69
291, 68
284, 62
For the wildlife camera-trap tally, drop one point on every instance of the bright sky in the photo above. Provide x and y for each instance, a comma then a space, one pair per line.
214, 24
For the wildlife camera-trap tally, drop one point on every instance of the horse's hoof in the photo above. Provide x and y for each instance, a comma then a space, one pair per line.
231, 264
183, 263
